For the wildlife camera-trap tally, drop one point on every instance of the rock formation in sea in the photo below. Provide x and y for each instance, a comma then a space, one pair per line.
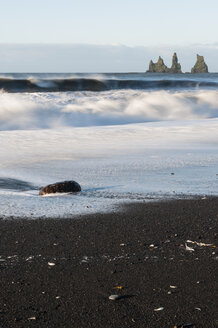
158, 67
200, 65
176, 67
60, 187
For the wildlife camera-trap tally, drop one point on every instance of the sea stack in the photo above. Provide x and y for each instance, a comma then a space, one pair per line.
176, 67
151, 68
158, 67
200, 65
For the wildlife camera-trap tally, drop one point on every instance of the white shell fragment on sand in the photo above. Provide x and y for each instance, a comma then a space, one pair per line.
159, 309
199, 244
114, 297
51, 263
171, 286
187, 248
197, 308
32, 318
29, 258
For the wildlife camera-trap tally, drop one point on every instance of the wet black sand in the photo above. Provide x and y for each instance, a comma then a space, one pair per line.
95, 254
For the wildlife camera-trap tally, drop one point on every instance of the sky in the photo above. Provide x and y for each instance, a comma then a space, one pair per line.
38, 35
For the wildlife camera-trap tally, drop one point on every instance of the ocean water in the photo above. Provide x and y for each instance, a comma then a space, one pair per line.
123, 137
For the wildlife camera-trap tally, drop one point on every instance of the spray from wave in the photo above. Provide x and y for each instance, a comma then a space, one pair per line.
50, 110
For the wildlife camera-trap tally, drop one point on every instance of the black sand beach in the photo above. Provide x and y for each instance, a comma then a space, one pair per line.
60, 273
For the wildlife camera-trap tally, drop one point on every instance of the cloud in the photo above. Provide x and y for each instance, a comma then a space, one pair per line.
98, 58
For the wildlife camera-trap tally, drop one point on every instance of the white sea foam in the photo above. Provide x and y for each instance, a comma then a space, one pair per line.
49, 110
113, 164
49, 137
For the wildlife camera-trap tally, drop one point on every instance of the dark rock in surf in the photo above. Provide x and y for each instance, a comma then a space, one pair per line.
200, 66
60, 187
176, 67
158, 67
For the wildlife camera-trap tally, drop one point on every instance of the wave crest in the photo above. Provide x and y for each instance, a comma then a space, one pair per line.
32, 84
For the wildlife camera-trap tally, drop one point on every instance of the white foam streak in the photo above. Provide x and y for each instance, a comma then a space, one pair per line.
42, 83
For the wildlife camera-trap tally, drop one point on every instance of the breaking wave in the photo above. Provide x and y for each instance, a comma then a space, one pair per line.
51, 110
97, 85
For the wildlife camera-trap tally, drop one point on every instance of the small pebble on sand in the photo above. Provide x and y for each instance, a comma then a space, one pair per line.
159, 309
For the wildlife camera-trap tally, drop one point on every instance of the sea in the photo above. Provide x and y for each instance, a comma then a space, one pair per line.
124, 137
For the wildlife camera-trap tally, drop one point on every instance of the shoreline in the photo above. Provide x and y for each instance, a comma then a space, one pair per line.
60, 272
115, 208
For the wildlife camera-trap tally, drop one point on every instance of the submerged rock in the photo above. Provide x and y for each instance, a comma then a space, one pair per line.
200, 65
176, 67
60, 187
158, 67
